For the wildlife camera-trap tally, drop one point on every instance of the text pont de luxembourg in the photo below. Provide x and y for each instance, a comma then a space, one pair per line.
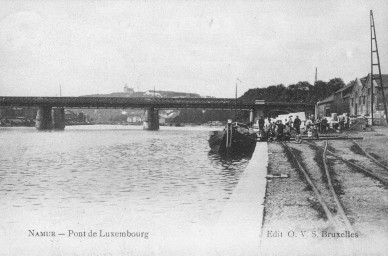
91, 233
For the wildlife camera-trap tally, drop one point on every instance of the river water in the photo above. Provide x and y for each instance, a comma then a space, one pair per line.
164, 184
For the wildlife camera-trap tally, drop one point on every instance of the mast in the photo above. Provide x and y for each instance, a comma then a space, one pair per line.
375, 52
316, 75
235, 104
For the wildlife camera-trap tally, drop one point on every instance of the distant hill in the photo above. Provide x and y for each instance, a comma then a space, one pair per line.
119, 115
159, 94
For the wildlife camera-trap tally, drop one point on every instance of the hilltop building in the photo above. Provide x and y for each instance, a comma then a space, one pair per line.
128, 90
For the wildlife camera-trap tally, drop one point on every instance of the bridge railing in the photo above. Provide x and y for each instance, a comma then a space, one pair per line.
126, 102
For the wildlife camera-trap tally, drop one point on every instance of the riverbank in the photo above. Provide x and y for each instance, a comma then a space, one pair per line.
25, 122
294, 221
17, 122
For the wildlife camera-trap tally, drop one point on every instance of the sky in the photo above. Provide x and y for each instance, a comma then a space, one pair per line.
204, 47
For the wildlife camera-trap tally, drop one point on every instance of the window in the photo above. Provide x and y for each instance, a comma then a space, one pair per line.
363, 99
352, 102
368, 91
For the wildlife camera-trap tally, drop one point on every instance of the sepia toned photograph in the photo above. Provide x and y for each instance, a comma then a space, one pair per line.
235, 127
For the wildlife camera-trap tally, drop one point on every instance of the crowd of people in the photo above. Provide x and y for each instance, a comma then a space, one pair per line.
279, 131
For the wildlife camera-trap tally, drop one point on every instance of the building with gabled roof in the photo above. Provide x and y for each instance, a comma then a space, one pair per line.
337, 102
355, 100
323, 107
341, 102
360, 98
358, 103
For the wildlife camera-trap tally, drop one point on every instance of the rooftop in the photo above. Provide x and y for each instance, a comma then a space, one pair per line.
326, 100
384, 77
345, 88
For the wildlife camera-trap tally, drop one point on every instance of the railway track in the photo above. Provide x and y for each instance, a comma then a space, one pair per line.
325, 193
371, 157
373, 173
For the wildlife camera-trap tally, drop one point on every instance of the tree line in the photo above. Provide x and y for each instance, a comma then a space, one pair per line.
302, 92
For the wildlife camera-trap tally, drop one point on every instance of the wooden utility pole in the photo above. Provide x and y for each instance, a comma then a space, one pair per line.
378, 77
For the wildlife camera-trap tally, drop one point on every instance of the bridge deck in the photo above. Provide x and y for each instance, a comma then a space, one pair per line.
126, 102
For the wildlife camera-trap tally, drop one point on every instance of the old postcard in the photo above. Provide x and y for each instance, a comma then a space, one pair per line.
193, 127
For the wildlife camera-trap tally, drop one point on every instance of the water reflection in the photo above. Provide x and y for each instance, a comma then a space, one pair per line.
230, 161
230, 167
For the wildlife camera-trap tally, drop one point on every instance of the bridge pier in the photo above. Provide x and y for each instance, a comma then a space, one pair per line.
151, 119
44, 118
48, 118
58, 118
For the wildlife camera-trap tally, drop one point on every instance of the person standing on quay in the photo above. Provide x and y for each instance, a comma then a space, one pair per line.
347, 121
290, 122
323, 125
279, 130
342, 122
297, 123
261, 124
312, 118
318, 124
